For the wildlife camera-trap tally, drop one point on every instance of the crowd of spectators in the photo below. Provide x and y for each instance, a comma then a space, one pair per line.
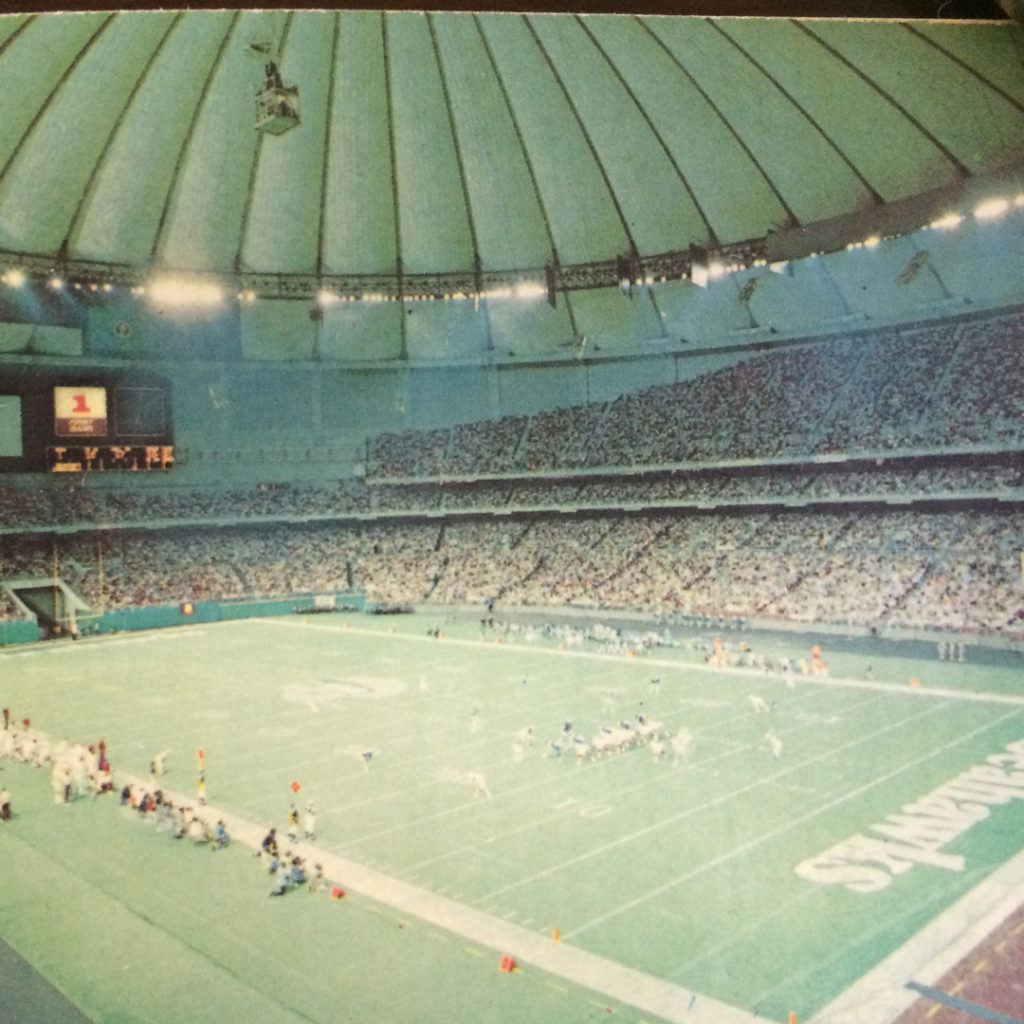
934, 386
497, 439
922, 477
74, 503
799, 531
393, 456
916, 569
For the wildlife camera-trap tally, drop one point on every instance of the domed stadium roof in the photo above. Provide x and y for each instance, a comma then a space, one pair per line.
448, 151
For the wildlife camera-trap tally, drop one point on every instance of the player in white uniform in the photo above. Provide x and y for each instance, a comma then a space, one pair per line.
479, 783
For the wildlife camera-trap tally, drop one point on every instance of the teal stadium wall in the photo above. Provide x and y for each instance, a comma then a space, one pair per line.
163, 616
21, 631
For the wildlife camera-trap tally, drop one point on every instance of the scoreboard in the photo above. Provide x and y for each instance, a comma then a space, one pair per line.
84, 424
79, 412
97, 457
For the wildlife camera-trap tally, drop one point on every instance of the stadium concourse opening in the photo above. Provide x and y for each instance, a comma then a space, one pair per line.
569, 552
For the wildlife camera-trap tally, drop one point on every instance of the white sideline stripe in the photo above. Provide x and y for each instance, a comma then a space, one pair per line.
920, 692
623, 984
881, 995
104, 642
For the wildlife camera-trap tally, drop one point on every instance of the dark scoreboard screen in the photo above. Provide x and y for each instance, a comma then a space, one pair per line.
86, 424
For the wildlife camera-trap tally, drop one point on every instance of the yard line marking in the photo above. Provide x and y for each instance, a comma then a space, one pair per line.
642, 784
410, 742
724, 798
881, 995
591, 766
826, 681
626, 985
793, 788
788, 826
752, 925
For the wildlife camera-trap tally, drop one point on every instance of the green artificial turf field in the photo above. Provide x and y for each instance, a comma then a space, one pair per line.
740, 874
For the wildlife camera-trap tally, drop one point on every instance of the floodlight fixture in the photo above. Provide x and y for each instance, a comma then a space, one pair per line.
991, 209
184, 293
948, 220
530, 290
